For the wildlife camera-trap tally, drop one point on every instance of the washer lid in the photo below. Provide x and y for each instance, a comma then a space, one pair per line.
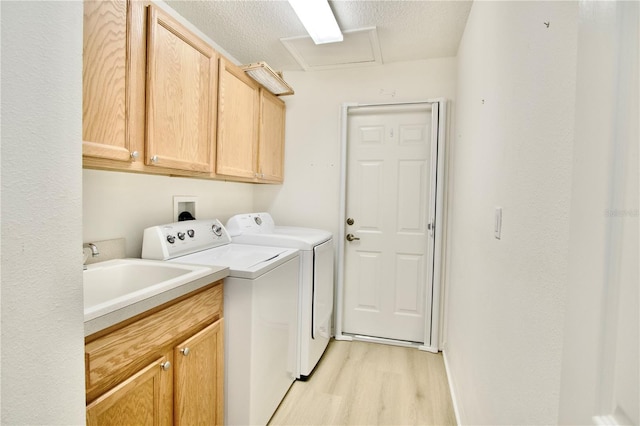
243, 261
286, 236
260, 229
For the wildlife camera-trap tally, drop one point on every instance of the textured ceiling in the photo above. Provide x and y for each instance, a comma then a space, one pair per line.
251, 30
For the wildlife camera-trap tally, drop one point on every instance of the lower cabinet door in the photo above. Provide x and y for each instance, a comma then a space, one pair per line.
142, 399
199, 378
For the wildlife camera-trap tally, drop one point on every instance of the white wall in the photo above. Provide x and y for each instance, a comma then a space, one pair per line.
600, 371
42, 313
512, 149
119, 205
310, 193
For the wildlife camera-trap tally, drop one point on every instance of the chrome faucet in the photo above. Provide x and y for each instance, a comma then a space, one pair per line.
94, 249
94, 253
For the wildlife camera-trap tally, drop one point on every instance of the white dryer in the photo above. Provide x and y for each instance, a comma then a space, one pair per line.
316, 277
260, 312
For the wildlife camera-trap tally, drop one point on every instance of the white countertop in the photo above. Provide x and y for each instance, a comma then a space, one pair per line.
111, 318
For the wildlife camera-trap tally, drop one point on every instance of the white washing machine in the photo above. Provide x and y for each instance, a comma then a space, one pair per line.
260, 312
316, 277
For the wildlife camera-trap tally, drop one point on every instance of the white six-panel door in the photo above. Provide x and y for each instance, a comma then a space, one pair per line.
390, 201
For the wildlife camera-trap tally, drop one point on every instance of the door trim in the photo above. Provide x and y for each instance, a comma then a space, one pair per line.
432, 333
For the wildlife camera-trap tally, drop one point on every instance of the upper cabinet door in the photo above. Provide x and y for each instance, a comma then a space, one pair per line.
181, 94
238, 109
105, 76
271, 146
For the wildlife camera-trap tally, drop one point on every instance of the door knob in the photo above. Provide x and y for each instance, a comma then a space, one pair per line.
350, 221
350, 237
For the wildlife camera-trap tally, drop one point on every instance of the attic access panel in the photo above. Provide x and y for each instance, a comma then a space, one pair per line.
360, 47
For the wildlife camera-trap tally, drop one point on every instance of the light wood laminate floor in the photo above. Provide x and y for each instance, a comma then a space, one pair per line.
359, 383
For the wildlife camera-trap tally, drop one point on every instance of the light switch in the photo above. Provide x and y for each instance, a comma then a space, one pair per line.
497, 228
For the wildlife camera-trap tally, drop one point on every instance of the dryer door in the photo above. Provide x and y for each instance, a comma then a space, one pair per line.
322, 290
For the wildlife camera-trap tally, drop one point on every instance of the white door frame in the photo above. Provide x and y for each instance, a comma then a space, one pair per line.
431, 337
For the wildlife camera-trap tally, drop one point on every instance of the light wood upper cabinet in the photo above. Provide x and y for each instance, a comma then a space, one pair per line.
250, 141
159, 99
238, 111
271, 140
181, 88
113, 83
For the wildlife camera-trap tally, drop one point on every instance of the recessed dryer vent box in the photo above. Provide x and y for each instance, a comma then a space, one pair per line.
184, 204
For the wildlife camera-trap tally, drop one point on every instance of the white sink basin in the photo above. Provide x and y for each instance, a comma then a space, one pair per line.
118, 283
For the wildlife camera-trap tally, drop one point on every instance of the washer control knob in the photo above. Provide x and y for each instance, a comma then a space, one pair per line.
171, 239
191, 233
217, 229
181, 235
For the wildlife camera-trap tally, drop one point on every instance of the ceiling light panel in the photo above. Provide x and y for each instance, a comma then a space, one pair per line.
318, 20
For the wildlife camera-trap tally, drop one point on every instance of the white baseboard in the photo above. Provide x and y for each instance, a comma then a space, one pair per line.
451, 389
614, 419
605, 421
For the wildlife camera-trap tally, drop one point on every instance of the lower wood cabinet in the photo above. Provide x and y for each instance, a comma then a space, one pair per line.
162, 368
199, 378
143, 399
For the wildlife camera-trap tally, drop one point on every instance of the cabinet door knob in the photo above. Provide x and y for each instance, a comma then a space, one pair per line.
185, 351
135, 155
165, 365
154, 159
